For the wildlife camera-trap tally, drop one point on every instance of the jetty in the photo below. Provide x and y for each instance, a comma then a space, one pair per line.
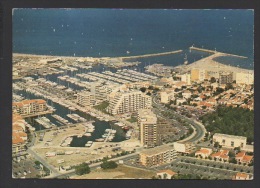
214, 52
151, 55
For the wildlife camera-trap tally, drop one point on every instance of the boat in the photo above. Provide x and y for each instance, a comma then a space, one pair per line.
100, 139
87, 134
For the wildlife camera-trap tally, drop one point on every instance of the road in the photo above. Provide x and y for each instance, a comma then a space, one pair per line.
54, 172
93, 166
199, 128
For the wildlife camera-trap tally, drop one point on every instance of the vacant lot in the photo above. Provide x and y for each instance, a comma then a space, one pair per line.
121, 172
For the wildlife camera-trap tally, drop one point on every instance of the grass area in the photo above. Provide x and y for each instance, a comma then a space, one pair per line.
132, 172
102, 106
132, 119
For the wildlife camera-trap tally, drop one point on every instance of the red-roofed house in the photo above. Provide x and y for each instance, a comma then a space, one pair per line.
243, 158
165, 174
222, 155
203, 152
241, 176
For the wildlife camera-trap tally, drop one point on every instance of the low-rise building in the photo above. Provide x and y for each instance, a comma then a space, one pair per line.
186, 94
165, 174
229, 141
157, 156
203, 152
241, 157
222, 155
241, 176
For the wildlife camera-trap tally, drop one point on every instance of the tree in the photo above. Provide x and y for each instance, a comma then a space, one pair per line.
216, 144
143, 89
233, 160
212, 79
229, 86
37, 163
82, 169
108, 164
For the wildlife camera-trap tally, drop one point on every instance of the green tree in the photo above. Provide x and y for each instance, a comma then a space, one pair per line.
212, 79
143, 89
82, 169
108, 164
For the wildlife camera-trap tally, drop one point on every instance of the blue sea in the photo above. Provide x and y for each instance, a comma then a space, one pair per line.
114, 32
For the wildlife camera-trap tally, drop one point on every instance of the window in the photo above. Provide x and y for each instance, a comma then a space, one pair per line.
232, 143
223, 141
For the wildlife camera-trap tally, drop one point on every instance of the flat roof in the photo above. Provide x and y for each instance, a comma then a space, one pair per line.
230, 136
157, 150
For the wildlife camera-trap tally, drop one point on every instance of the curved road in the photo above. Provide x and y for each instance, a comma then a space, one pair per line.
199, 127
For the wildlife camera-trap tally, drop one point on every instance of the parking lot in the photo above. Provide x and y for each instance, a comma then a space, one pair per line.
25, 168
208, 169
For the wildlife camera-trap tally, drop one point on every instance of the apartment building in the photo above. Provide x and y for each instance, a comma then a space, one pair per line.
157, 156
186, 78
198, 75
186, 147
19, 137
230, 141
99, 91
86, 98
225, 77
27, 107
147, 122
129, 101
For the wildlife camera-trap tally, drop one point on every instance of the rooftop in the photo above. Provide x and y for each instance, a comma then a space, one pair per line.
157, 150
230, 136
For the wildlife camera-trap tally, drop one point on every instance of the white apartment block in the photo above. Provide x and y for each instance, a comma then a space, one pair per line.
187, 147
100, 91
230, 141
147, 122
129, 101
86, 98
166, 96
186, 78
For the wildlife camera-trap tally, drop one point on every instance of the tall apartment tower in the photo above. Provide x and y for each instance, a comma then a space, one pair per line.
147, 122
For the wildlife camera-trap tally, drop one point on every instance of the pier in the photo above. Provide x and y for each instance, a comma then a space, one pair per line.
214, 52
151, 55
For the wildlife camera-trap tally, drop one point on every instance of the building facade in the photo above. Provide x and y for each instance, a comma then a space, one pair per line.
85, 98
229, 141
27, 107
198, 75
225, 77
187, 147
147, 122
129, 101
186, 78
157, 156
